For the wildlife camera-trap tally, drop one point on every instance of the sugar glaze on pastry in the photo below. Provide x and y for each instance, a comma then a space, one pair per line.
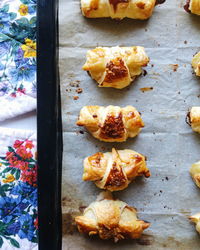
119, 9
115, 67
110, 219
114, 170
111, 123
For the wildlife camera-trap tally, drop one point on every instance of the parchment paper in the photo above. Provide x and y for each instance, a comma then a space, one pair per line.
169, 196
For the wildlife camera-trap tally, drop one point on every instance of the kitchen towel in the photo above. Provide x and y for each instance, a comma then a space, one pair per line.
17, 57
18, 190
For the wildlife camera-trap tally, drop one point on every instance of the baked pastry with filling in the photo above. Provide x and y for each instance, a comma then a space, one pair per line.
193, 119
111, 123
114, 170
196, 62
195, 173
119, 9
196, 219
110, 219
192, 6
115, 67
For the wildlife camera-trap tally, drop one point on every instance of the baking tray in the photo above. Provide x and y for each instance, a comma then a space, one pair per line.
171, 37
49, 126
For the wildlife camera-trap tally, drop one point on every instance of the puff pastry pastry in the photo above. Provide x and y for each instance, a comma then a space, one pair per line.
193, 6
196, 219
114, 170
110, 219
119, 9
194, 119
196, 62
195, 173
115, 67
111, 123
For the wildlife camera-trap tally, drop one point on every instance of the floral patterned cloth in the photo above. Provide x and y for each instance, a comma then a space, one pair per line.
18, 190
18, 168
17, 57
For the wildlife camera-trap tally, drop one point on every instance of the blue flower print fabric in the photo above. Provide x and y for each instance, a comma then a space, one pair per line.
17, 56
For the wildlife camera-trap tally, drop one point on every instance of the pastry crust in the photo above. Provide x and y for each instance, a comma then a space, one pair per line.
115, 67
114, 170
118, 9
194, 118
196, 62
110, 219
196, 219
111, 123
195, 173
193, 6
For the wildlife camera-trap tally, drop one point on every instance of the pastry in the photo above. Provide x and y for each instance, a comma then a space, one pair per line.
110, 219
196, 62
196, 219
115, 67
119, 9
111, 123
195, 173
194, 118
114, 170
193, 6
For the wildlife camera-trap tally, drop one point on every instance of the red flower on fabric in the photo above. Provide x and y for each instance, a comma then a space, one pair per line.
9, 155
15, 163
30, 176
29, 144
13, 95
23, 166
36, 223
21, 91
23, 153
21, 157
17, 143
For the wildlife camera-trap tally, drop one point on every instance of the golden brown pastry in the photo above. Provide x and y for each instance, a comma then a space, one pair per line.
111, 123
114, 170
195, 173
194, 118
119, 9
110, 219
196, 62
196, 219
115, 67
193, 6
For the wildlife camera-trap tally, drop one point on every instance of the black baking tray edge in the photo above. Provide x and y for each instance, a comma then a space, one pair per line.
49, 128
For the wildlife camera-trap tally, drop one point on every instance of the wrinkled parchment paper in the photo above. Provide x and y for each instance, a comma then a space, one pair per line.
169, 196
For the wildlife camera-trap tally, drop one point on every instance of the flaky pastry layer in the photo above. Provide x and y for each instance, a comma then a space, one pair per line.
118, 9
196, 219
114, 170
110, 219
111, 123
196, 63
115, 67
195, 173
194, 119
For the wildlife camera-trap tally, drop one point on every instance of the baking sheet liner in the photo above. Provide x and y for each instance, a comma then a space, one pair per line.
171, 37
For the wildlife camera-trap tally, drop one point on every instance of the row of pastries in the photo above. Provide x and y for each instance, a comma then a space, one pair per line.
117, 67
193, 119
135, 9
112, 171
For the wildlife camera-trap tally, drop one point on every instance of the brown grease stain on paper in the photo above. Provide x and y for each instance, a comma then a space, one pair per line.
145, 89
